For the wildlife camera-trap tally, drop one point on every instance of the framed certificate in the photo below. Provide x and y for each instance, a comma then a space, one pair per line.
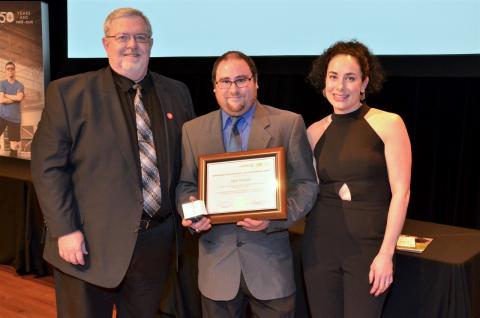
237, 185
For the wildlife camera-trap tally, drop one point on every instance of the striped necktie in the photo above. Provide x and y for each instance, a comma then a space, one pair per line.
148, 158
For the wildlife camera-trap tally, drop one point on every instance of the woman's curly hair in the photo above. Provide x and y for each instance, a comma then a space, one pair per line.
369, 65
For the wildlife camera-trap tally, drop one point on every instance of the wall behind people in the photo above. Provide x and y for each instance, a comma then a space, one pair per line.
440, 109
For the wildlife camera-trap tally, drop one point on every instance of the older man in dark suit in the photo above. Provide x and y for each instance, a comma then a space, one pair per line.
249, 262
105, 163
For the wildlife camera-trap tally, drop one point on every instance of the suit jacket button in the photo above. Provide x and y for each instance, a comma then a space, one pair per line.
239, 244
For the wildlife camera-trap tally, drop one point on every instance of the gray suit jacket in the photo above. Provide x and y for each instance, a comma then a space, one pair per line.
85, 172
226, 250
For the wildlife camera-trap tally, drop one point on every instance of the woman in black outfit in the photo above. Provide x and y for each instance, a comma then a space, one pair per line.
363, 162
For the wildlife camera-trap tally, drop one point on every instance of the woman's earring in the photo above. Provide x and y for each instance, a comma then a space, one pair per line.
362, 96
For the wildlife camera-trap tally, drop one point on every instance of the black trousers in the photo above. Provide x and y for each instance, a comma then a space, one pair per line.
339, 246
13, 129
139, 293
342, 291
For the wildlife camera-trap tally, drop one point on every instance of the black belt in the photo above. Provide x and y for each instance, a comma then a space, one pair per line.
147, 222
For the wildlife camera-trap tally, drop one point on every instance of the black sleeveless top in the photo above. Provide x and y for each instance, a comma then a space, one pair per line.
351, 152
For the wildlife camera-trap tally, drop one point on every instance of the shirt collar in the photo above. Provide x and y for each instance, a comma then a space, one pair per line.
126, 84
226, 118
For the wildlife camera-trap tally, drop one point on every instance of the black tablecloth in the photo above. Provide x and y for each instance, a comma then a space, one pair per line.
443, 281
21, 227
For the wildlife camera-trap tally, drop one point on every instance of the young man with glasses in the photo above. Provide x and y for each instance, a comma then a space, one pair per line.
248, 263
105, 163
11, 94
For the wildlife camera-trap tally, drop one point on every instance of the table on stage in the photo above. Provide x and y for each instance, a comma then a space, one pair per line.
21, 221
444, 280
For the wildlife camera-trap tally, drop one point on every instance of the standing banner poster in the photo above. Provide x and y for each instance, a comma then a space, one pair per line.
24, 73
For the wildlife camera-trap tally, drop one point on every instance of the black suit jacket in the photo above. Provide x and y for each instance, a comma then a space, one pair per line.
85, 173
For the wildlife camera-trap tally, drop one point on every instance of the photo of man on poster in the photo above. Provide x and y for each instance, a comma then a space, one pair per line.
11, 94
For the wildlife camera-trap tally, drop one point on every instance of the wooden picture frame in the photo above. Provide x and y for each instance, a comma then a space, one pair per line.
246, 184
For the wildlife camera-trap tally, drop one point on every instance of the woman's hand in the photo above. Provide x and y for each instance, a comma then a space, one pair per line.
381, 274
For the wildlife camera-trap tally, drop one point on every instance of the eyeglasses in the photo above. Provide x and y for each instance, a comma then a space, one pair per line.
239, 82
125, 37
